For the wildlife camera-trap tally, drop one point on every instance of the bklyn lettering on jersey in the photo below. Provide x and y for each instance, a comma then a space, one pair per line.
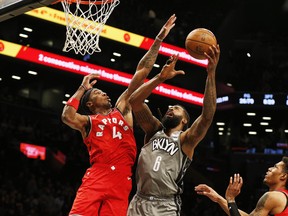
164, 144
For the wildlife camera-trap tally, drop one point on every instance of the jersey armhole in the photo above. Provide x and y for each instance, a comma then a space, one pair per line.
88, 127
286, 200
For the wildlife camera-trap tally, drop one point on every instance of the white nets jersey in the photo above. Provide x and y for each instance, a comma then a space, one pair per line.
161, 166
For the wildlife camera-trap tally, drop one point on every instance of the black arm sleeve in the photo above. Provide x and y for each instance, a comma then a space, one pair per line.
233, 209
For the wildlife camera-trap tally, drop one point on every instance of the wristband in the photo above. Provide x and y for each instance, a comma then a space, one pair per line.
233, 209
83, 87
73, 102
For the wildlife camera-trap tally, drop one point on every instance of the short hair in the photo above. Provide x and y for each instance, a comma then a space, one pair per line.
83, 109
285, 167
285, 161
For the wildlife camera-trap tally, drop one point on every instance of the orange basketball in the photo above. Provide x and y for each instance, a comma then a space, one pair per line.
198, 41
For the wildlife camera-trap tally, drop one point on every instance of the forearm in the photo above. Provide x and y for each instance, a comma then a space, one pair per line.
145, 90
148, 60
79, 92
209, 100
144, 67
72, 104
223, 204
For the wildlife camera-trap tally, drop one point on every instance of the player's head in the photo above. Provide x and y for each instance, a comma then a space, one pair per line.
278, 174
94, 100
175, 116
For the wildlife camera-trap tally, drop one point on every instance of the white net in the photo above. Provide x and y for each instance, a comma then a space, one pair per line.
84, 23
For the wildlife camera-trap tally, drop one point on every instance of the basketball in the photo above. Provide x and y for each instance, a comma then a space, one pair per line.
198, 41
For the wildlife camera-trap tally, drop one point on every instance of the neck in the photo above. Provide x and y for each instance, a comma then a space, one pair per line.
169, 131
277, 187
103, 111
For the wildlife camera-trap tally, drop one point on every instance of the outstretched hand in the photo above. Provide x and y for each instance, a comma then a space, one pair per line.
234, 187
168, 70
90, 80
203, 189
167, 27
213, 58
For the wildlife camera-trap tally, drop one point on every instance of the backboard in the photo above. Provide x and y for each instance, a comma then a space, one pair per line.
12, 8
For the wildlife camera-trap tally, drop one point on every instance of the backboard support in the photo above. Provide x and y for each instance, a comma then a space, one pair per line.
13, 8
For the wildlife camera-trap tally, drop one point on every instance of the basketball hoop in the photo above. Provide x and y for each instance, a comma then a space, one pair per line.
84, 23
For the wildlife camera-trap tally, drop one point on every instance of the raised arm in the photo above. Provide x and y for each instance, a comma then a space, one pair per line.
143, 115
193, 135
146, 63
270, 203
69, 114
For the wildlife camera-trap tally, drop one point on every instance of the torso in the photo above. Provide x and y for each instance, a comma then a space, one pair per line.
111, 140
161, 165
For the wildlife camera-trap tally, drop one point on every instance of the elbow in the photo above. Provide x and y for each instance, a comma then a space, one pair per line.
64, 118
135, 103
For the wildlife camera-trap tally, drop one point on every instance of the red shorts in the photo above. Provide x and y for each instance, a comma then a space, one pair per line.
104, 191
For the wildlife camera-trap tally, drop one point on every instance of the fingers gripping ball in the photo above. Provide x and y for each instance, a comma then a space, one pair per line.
198, 41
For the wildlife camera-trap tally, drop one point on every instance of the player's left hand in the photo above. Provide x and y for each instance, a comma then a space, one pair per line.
203, 189
213, 58
90, 80
168, 70
234, 187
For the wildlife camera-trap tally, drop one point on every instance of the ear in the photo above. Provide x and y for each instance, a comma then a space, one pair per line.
283, 176
89, 104
184, 121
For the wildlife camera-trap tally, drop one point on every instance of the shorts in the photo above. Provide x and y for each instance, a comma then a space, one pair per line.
148, 205
104, 192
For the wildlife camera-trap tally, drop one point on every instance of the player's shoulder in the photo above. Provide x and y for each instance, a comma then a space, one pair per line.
274, 196
271, 201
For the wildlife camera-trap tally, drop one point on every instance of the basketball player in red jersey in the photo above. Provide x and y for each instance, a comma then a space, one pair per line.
108, 134
274, 202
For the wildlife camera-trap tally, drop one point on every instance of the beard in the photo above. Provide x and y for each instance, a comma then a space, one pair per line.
108, 105
171, 122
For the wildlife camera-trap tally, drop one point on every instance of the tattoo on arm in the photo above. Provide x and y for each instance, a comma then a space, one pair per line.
143, 116
260, 205
149, 59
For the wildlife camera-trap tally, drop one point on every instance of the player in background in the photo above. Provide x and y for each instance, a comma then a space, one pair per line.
273, 202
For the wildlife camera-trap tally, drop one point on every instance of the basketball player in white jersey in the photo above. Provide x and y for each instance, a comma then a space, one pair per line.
168, 145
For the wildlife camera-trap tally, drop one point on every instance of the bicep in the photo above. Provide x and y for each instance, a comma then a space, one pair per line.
196, 132
74, 120
263, 206
193, 135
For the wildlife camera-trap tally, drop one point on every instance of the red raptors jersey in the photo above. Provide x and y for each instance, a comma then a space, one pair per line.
111, 140
285, 212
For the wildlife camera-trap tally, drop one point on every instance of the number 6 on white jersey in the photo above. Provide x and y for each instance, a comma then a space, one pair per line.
157, 163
